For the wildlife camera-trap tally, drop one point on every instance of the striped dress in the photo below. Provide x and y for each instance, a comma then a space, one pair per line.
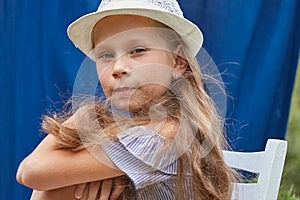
149, 162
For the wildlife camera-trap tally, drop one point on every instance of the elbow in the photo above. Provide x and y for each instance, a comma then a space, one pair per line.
30, 174
20, 174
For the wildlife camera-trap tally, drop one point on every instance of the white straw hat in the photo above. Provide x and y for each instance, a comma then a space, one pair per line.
167, 12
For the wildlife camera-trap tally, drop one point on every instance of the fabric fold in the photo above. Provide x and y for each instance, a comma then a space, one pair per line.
151, 148
138, 152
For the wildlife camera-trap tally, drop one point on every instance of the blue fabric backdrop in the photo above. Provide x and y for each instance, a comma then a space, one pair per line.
255, 43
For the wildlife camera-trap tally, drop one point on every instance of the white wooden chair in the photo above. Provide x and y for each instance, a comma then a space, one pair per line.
268, 164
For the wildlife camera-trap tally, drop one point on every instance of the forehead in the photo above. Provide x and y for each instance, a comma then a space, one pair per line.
115, 24
150, 37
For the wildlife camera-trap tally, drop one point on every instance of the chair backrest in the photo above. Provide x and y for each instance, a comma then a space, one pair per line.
268, 164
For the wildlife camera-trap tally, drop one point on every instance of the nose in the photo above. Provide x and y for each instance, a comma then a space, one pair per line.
121, 67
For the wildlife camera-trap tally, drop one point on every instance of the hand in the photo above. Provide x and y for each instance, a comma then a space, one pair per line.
108, 189
91, 188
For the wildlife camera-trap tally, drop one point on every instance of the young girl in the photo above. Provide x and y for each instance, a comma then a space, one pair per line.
158, 128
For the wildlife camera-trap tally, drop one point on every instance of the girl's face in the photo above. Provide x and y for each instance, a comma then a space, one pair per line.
133, 63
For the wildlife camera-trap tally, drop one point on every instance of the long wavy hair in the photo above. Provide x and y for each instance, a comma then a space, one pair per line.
199, 138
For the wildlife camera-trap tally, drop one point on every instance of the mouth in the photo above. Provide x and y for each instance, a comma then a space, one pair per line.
124, 91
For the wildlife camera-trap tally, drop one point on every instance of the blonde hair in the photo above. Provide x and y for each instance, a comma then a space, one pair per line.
188, 104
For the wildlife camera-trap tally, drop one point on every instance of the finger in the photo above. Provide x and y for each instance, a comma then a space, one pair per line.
119, 187
93, 190
79, 190
105, 189
117, 191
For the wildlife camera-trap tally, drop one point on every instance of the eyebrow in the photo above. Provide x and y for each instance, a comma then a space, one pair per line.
131, 42
101, 47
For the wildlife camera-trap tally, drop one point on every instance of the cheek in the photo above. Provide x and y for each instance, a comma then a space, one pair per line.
105, 88
155, 75
154, 91
104, 78
153, 83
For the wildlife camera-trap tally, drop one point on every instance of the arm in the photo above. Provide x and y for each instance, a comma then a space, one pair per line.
47, 168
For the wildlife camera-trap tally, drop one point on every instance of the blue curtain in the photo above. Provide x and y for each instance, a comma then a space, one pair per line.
254, 43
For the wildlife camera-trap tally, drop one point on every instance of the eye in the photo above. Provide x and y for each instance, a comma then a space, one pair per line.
137, 50
105, 56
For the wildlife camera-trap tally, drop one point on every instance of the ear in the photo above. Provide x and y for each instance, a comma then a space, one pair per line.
180, 62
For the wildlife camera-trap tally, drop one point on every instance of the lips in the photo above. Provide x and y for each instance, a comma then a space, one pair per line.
124, 91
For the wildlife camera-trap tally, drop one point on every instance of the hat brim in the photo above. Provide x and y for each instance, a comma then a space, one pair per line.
80, 31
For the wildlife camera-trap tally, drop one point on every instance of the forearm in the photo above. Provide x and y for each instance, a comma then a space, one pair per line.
47, 168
